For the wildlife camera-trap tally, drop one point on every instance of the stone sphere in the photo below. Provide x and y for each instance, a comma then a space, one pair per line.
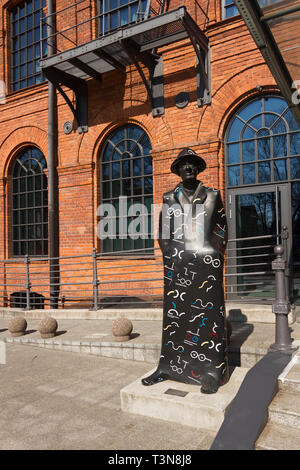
47, 327
17, 326
278, 250
122, 328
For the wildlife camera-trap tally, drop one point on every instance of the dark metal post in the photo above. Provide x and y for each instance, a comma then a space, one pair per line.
52, 164
95, 280
28, 284
281, 307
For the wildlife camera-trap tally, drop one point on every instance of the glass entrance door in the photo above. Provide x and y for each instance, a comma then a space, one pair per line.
255, 218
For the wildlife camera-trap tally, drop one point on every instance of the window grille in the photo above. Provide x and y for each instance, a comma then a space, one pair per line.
117, 13
263, 144
25, 37
29, 204
229, 9
126, 170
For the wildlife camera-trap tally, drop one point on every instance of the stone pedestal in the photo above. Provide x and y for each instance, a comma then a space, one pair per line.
181, 403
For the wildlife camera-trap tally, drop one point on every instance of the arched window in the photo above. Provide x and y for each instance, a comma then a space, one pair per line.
263, 144
126, 186
29, 204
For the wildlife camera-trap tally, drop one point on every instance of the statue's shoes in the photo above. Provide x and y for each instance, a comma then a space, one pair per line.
209, 384
155, 378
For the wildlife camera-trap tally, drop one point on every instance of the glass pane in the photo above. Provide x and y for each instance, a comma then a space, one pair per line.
249, 174
38, 231
264, 172
137, 167
30, 53
256, 122
38, 215
137, 186
116, 189
30, 200
295, 144
280, 146
248, 149
125, 169
147, 166
31, 232
115, 170
106, 190
16, 249
234, 176
16, 233
249, 133
124, 16
280, 172
105, 172
235, 130
295, 168
270, 119
280, 127
233, 153
255, 217
114, 20
148, 185
275, 104
292, 124
30, 216
31, 248
263, 149
250, 110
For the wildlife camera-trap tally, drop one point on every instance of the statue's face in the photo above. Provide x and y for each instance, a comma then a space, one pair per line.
188, 169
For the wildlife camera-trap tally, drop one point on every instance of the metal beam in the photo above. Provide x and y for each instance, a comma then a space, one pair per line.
154, 63
86, 69
261, 33
53, 200
110, 60
80, 88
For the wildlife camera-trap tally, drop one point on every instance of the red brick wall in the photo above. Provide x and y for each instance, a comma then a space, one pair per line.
237, 67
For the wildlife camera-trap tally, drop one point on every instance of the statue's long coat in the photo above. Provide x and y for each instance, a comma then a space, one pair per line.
194, 328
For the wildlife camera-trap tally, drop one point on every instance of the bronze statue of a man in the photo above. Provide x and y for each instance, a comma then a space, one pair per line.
193, 238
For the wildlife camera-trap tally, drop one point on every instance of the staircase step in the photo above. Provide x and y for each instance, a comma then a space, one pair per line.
285, 409
278, 437
291, 380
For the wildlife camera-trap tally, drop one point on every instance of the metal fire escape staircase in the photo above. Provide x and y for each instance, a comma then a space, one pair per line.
134, 44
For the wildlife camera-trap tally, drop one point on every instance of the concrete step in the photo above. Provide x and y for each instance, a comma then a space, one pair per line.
236, 312
290, 379
285, 409
278, 437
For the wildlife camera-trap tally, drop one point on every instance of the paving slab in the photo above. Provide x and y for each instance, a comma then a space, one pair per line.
64, 401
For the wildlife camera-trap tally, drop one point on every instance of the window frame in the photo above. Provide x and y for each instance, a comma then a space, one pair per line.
273, 160
43, 206
132, 252
224, 8
111, 10
15, 60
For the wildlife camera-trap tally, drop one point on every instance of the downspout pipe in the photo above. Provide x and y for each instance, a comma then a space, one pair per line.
52, 166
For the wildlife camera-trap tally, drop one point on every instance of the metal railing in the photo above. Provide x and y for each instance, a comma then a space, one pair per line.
93, 26
131, 279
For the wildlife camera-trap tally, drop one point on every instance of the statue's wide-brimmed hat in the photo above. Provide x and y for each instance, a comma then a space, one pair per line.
187, 152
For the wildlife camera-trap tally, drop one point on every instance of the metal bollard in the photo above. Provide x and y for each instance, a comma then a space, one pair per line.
95, 280
281, 306
28, 284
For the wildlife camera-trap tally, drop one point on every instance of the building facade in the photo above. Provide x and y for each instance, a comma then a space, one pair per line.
116, 137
